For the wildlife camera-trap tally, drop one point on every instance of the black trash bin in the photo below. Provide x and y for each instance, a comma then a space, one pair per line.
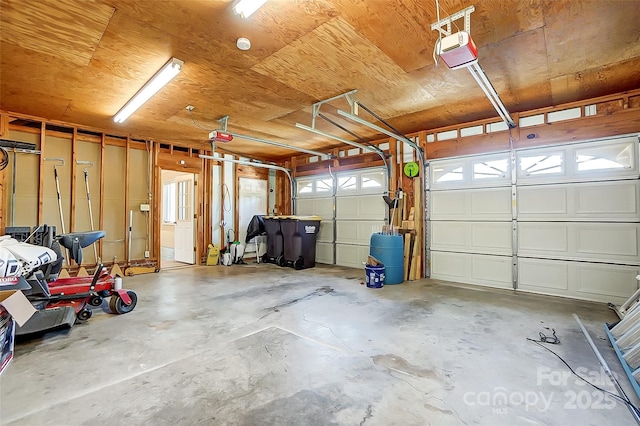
275, 243
299, 233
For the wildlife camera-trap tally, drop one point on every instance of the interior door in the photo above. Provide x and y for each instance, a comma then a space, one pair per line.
184, 240
252, 200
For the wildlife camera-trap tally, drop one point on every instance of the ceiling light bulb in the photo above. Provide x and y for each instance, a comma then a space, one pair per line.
243, 43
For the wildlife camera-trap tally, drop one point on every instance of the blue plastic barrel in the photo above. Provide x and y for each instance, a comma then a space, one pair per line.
389, 250
375, 276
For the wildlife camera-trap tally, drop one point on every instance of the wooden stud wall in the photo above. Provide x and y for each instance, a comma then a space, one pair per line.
121, 170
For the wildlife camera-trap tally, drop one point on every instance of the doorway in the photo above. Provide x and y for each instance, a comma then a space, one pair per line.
177, 234
252, 200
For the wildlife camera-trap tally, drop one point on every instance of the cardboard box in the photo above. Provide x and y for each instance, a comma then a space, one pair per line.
15, 308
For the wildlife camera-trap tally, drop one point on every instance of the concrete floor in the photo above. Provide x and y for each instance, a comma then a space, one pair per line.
262, 345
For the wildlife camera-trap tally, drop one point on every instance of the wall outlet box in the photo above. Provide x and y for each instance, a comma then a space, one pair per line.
145, 207
146, 254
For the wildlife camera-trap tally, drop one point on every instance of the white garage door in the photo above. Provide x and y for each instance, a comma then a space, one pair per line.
351, 204
578, 210
315, 196
471, 238
566, 222
360, 211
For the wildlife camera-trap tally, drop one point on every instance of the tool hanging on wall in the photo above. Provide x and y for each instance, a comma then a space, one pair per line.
16, 148
86, 184
55, 174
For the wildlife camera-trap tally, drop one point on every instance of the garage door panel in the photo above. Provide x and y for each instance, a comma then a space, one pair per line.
494, 237
492, 269
356, 232
609, 240
604, 242
486, 270
448, 205
325, 233
351, 255
324, 252
593, 201
611, 198
589, 281
538, 201
491, 203
542, 274
448, 236
607, 281
448, 266
474, 204
366, 207
322, 207
472, 237
539, 238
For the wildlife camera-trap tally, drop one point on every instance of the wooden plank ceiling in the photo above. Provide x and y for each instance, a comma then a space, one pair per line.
79, 61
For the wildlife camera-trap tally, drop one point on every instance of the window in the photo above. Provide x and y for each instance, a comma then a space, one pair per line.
183, 200
605, 157
169, 202
448, 174
493, 169
542, 164
372, 180
304, 186
324, 185
347, 183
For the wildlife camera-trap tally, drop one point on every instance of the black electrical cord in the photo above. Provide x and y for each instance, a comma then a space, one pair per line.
4, 161
623, 398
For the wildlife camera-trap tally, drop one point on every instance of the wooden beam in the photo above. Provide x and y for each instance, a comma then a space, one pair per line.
618, 123
41, 177
157, 199
179, 163
236, 196
206, 201
74, 168
3, 205
4, 126
127, 175
101, 212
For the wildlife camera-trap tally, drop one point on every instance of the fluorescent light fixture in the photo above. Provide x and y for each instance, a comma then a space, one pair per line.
245, 8
162, 77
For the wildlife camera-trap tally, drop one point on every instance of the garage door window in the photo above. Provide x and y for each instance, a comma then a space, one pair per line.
324, 185
542, 164
304, 186
491, 170
605, 158
373, 180
347, 183
453, 173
